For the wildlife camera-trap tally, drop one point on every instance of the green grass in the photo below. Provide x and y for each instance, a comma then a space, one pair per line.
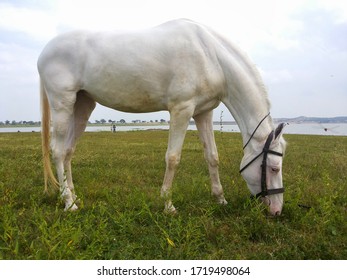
118, 179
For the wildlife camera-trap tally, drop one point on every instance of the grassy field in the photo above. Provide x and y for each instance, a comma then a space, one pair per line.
118, 179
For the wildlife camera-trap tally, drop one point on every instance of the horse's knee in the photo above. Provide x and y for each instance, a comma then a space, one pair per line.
213, 159
172, 160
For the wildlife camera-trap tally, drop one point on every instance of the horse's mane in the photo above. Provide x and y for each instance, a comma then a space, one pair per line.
248, 66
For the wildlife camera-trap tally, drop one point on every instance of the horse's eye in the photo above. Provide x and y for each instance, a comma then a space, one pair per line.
275, 169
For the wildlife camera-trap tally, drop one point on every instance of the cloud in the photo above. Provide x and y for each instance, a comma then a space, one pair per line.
277, 76
19, 82
307, 78
300, 46
38, 24
322, 31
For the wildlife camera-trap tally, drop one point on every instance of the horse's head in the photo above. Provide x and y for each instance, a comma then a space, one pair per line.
261, 167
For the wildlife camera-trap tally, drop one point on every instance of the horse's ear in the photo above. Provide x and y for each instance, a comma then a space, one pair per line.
279, 130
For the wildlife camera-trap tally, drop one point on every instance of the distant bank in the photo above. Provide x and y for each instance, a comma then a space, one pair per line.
313, 128
301, 119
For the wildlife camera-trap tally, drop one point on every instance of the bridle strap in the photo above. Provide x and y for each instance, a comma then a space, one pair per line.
248, 164
269, 192
264, 190
265, 150
255, 130
275, 153
264, 164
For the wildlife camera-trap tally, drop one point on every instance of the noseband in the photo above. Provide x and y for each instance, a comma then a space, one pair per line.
266, 150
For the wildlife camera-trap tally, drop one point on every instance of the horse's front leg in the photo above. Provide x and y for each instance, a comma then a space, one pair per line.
179, 120
205, 127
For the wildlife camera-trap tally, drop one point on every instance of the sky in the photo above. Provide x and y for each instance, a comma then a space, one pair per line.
299, 47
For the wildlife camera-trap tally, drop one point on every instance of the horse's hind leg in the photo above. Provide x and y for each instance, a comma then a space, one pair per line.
205, 127
62, 110
83, 107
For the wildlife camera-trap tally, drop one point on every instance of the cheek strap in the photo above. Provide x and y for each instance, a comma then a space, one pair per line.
264, 189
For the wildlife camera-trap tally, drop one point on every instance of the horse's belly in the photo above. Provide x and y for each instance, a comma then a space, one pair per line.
132, 102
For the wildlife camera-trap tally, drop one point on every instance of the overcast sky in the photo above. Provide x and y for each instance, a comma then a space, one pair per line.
300, 47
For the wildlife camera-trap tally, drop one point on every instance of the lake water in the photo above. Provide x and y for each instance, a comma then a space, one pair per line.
338, 129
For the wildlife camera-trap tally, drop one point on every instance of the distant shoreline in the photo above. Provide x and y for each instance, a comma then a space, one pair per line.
90, 124
309, 128
298, 120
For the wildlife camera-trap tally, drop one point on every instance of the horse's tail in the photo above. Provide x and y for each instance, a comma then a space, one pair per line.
45, 135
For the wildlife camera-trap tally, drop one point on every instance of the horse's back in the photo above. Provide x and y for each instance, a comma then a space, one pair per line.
146, 70
160, 39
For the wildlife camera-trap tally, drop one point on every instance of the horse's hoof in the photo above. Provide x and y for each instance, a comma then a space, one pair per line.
71, 208
170, 210
221, 200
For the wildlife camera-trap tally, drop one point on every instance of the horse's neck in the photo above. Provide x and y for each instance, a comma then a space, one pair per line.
247, 101
245, 94
248, 117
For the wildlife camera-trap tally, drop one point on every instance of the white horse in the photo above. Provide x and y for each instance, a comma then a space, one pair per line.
180, 66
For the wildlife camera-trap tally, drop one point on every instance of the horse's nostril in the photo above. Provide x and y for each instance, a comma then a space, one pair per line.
278, 213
